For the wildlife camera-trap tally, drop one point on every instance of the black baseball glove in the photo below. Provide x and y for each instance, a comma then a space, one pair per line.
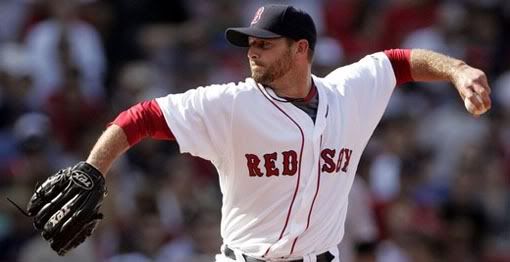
65, 208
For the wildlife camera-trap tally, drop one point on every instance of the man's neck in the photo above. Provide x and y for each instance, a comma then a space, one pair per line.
293, 84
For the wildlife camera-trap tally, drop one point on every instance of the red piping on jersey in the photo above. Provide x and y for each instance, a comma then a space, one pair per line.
142, 120
313, 201
401, 62
299, 167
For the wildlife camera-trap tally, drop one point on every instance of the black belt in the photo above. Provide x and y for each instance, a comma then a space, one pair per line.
324, 257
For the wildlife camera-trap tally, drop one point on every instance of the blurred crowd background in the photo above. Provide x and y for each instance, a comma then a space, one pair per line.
433, 184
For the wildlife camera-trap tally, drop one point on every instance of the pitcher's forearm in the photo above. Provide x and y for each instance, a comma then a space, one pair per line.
112, 143
470, 82
431, 66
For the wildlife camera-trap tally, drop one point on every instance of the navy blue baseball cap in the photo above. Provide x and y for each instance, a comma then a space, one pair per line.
273, 21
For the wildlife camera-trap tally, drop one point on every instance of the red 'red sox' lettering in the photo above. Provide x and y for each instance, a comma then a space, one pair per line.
342, 162
288, 160
269, 163
252, 161
289, 163
327, 156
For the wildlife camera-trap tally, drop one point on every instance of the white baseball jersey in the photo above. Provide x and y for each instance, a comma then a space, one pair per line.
285, 179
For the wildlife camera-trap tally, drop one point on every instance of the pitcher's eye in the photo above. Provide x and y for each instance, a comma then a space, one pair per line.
260, 44
266, 45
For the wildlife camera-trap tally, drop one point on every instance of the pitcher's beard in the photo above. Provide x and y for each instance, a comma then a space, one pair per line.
265, 77
278, 69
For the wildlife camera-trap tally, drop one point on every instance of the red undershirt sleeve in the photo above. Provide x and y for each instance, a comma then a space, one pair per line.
143, 120
401, 62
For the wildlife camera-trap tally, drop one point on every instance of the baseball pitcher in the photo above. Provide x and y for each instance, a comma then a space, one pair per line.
286, 143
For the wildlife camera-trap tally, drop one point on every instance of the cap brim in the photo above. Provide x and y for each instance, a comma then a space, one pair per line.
238, 36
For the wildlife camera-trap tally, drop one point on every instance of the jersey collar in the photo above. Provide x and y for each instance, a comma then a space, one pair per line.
311, 94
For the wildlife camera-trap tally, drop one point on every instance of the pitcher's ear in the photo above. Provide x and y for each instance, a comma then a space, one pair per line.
302, 46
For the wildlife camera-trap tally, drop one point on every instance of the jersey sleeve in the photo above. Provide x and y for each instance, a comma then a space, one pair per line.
370, 83
400, 60
144, 119
200, 120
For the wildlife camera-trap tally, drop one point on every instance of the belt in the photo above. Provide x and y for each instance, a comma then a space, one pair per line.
324, 257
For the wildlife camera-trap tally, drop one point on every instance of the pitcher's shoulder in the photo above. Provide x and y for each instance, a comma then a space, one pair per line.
329, 85
234, 88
